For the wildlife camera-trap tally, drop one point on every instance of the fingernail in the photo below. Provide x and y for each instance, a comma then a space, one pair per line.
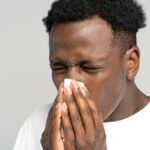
82, 90
81, 84
64, 107
75, 85
68, 89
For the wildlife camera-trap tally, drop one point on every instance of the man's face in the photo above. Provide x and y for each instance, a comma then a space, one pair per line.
83, 51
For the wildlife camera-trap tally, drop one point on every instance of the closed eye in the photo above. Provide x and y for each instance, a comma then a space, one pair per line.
58, 67
92, 69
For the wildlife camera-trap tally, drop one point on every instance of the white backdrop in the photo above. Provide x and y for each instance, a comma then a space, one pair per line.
25, 77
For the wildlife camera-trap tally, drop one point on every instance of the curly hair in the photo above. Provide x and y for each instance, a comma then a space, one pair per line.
124, 16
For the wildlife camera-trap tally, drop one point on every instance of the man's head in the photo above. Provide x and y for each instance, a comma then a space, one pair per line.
94, 41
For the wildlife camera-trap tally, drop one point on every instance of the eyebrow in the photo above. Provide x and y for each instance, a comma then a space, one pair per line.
83, 61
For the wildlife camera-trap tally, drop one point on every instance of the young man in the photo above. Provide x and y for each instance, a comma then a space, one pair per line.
93, 42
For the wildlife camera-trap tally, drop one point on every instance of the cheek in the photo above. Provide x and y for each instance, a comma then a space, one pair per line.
108, 91
57, 80
113, 93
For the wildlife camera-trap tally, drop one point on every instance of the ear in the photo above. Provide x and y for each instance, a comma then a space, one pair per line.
132, 60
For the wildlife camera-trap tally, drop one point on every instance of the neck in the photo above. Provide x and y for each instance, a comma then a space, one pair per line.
133, 101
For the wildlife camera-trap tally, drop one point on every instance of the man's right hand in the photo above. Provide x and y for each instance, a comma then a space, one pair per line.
51, 137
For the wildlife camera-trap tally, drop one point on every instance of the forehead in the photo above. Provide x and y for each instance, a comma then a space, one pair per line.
93, 34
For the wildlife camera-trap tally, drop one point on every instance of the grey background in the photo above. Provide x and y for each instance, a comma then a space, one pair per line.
25, 77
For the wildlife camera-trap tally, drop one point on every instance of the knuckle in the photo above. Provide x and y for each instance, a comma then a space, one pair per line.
70, 101
97, 127
92, 140
103, 136
66, 117
75, 118
80, 144
86, 111
94, 111
68, 128
77, 94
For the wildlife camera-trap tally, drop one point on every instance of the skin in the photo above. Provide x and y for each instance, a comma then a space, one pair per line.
83, 51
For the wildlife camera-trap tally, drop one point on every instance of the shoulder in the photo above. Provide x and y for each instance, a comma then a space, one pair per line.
40, 113
32, 129
38, 118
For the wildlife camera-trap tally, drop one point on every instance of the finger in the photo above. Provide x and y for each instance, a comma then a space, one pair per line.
55, 132
59, 97
84, 109
56, 123
56, 114
74, 113
69, 138
96, 115
52, 134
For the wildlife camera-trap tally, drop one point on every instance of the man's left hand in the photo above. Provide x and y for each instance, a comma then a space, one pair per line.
81, 120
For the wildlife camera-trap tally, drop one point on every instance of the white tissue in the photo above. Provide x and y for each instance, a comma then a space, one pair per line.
67, 83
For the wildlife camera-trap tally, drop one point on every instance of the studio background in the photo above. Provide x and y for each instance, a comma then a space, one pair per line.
25, 76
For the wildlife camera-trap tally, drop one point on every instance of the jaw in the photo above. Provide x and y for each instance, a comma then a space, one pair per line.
133, 101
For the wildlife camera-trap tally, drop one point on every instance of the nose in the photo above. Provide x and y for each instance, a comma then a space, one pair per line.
75, 73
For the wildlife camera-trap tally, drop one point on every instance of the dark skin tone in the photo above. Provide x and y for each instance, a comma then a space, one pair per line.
83, 51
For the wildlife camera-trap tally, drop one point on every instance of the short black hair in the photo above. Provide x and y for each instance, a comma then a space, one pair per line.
126, 17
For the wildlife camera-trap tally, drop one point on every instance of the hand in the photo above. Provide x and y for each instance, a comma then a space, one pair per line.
82, 123
51, 137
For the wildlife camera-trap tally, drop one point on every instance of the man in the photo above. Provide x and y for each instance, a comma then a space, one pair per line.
93, 42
